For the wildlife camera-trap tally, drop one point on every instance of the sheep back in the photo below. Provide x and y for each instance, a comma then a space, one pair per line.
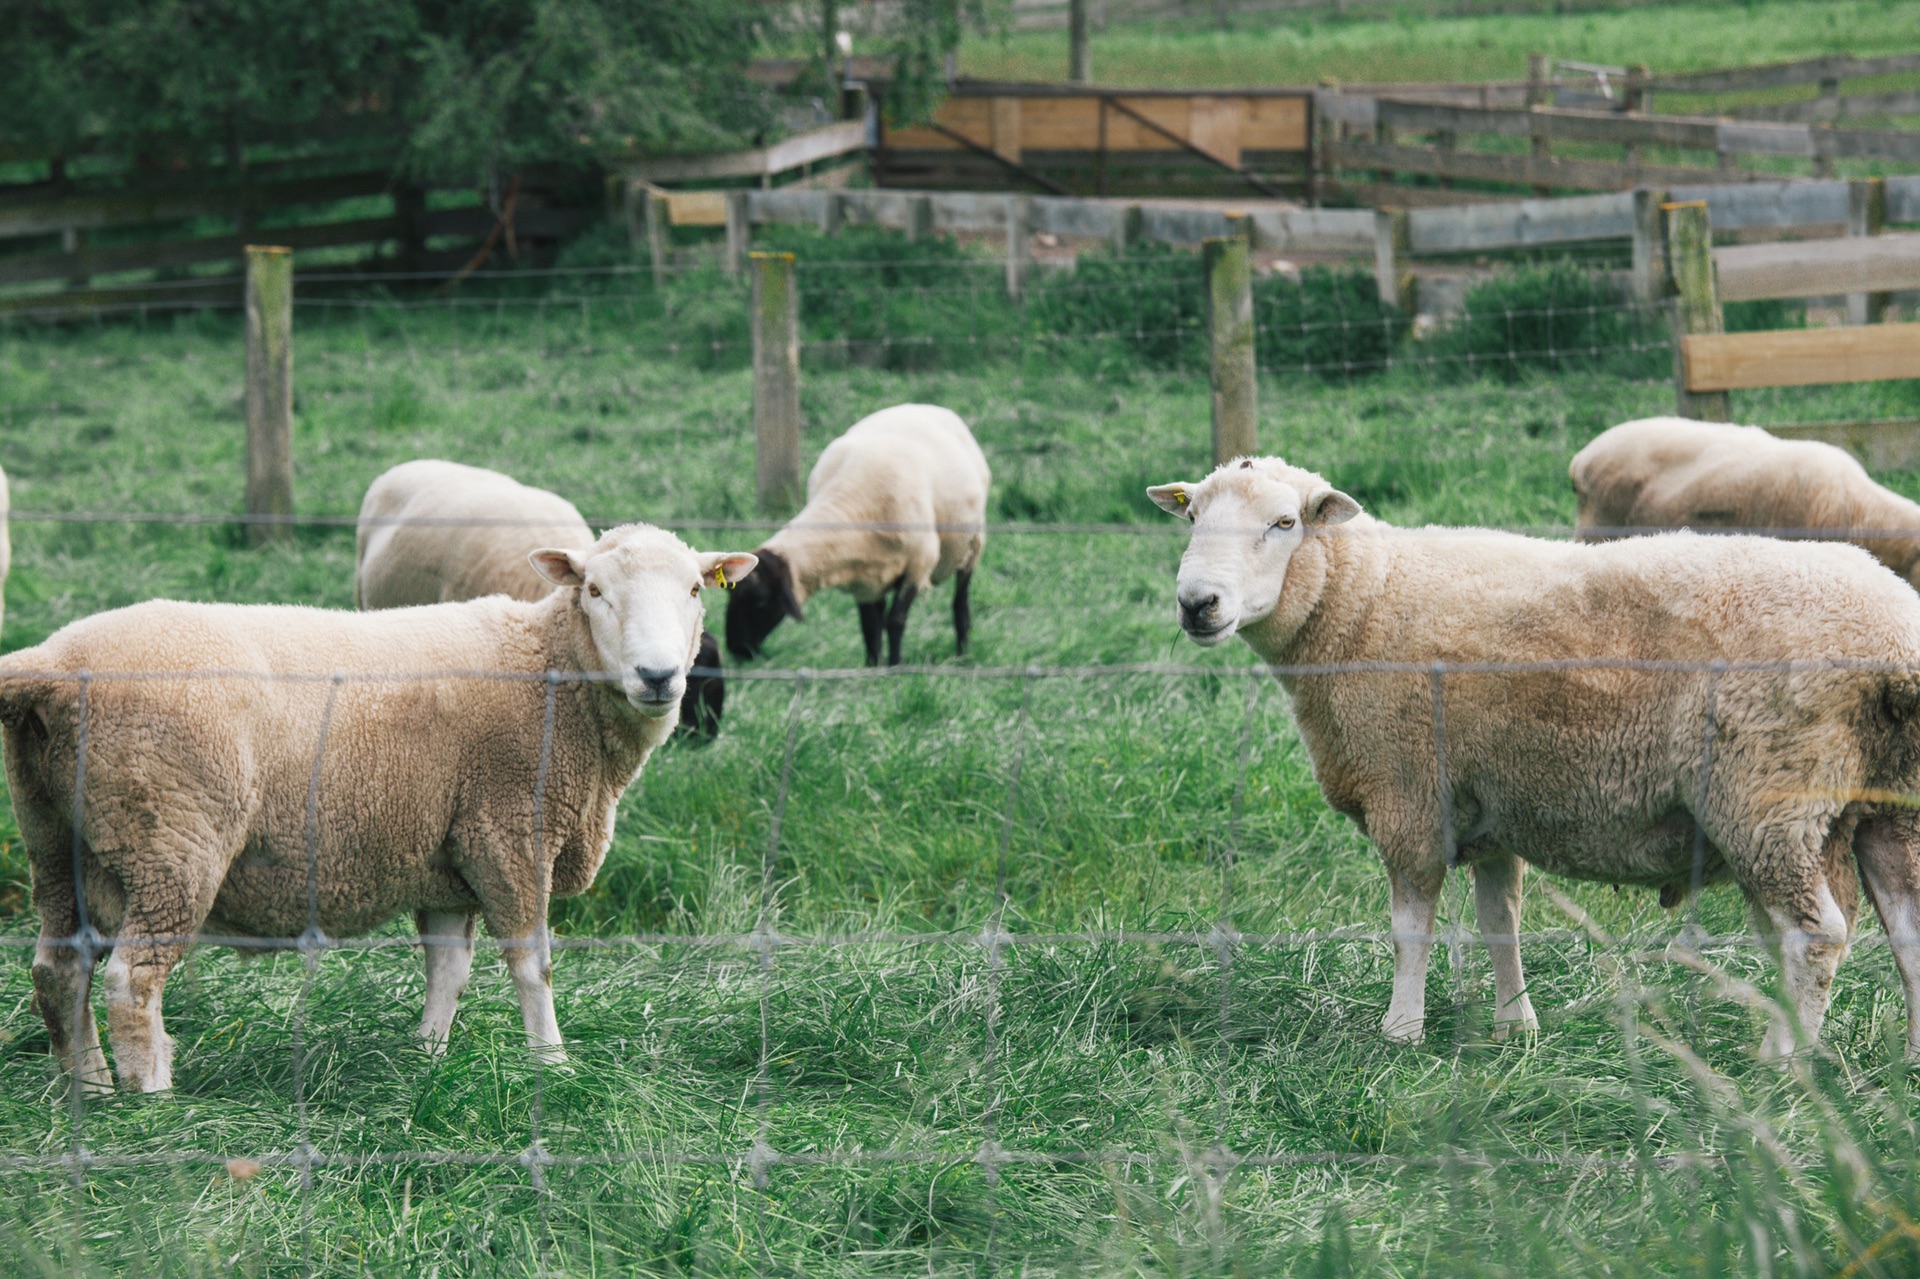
428, 765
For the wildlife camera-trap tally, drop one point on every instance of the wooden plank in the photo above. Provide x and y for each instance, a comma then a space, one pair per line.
1801, 357
167, 254
1884, 444
1819, 110
1060, 124
1747, 137
1903, 199
1313, 230
697, 208
823, 143
85, 212
1780, 75
1816, 268
1748, 206
1274, 124
1522, 224
1215, 126
1870, 144
1519, 169
1004, 128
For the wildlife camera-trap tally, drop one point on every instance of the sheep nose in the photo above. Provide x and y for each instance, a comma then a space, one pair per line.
656, 680
1195, 607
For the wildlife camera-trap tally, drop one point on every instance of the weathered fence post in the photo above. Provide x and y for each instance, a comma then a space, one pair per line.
1649, 246
1391, 242
1696, 302
739, 230
776, 383
269, 391
1866, 215
659, 216
833, 212
1540, 94
1019, 244
1634, 102
1079, 56
1230, 333
1128, 222
919, 218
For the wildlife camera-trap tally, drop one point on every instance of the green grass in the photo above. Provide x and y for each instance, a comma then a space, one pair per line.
886, 1066
1283, 49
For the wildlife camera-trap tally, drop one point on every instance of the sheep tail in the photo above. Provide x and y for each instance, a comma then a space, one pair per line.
23, 688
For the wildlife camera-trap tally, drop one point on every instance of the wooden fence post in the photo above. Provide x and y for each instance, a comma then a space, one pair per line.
1649, 246
269, 391
1230, 332
1127, 227
1019, 244
833, 213
1633, 102
739, 230
659, 219
1391, 242
1540, 94
776, 383
919, 218
1866, 215
1696, 302
1079, 56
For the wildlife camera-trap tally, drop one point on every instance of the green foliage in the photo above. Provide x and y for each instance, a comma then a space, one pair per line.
1328, 322
463, 89
1762, 314
1549, 318
1117, 312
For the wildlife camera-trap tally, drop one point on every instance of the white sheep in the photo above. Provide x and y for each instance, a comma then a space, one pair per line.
898, 503
451, 774
434, 532
1606, 756
1671, 472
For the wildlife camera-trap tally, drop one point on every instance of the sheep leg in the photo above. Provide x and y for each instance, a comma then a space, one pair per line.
447, 938
1808, 933
136, 977
1412, 907
63, 987
530, 960
1886, 850
897, 619
962, 610
871, 618
1496, 905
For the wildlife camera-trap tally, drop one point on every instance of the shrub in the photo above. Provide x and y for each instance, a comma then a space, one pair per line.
1115, 312
1548, 318
1328, 321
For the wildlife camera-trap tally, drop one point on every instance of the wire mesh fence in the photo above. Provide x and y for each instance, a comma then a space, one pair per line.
1054, 961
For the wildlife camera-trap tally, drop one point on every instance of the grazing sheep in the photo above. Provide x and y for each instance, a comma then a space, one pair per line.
439, 532
1670, 472
897, 504
1598, 771
451, 776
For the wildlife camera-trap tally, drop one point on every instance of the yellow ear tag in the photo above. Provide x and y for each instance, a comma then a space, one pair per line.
720, 575
1181, 497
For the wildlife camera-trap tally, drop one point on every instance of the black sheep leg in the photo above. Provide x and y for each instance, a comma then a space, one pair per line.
897, 620
962, 610
871, 616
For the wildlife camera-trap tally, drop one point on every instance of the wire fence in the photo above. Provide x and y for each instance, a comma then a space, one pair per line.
1502, 356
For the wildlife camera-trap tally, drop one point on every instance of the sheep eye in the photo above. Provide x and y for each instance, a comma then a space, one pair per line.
593, 591
1285, 521
695, 592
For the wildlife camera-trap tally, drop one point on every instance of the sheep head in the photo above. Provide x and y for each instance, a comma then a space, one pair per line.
1248, 518
639, 590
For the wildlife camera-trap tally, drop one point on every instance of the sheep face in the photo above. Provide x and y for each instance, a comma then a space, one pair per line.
759, 606
639, 590
1248, 518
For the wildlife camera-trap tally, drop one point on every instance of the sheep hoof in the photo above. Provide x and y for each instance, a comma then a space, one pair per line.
1777, 1045
1507, 1027
553, 1057
1406, 1031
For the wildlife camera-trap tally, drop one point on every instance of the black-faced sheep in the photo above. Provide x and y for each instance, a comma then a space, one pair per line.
897, 504
1592, 759
452, 775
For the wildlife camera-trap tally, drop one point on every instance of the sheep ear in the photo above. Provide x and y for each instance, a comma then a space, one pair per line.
1173, 499
562, 568
724, 568
1332, 507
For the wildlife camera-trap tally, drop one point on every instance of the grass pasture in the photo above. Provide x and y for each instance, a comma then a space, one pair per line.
1159, 1105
